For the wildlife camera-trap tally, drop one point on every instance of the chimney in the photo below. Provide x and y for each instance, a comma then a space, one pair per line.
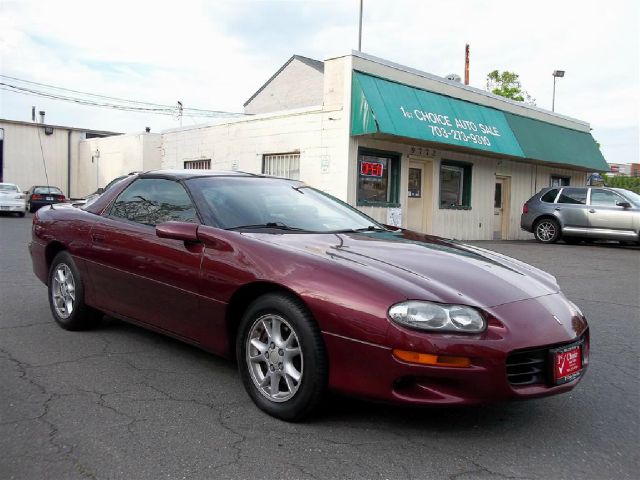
41, 112
466, 64
33, 114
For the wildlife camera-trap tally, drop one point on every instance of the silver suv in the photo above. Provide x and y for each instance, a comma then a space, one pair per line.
581, 213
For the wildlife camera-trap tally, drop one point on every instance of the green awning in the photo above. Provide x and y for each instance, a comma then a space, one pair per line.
383, 106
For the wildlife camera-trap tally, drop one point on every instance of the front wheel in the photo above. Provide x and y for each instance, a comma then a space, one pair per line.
281, 357
547, 230
66, 295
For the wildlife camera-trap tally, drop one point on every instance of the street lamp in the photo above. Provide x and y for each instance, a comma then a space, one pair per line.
556, 74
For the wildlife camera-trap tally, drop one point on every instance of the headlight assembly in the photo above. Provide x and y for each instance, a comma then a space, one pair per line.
437, 317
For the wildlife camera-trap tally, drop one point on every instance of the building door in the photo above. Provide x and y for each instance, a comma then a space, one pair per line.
419, 193
501, 208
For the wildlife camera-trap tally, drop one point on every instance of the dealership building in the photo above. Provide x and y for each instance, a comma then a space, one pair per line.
406, 147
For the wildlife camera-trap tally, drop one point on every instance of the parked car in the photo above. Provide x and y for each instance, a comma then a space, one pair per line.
577, 213
12, 199
309, 294
89, 199
40, 195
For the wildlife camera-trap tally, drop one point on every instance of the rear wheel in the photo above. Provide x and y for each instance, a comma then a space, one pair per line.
66, 295
547, 230
281, 357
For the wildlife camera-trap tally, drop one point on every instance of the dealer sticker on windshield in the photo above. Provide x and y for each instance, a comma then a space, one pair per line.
567, 363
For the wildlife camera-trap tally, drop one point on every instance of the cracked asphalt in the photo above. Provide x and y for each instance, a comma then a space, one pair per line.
121, 402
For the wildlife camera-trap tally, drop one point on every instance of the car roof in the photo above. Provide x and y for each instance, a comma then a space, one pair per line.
193, 173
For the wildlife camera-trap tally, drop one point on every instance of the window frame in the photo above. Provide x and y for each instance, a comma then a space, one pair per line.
561, 178
466, 183
280, 154
107, 211
587, 197
195, 162
393, 184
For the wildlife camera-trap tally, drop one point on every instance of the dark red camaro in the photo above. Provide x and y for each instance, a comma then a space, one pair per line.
308, 293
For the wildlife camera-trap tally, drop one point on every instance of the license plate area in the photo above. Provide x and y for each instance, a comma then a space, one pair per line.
567, 363
49, 199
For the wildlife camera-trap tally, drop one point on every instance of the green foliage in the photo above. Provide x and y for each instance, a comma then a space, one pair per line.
629, 183
507, 84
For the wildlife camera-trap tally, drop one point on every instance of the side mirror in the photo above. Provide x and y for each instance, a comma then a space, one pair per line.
100, 191
623, 204
185, 231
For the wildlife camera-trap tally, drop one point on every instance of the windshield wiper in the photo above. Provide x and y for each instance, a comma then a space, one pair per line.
268, 225
370, 228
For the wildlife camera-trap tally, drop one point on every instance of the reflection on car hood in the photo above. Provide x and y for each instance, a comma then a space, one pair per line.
446, 270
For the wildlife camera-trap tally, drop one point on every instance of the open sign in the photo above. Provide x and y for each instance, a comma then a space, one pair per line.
371, 169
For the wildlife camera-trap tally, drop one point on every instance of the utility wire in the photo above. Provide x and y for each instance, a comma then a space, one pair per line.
112, 103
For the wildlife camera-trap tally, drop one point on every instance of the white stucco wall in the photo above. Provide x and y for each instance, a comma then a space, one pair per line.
298, 85
118, 156
23, 162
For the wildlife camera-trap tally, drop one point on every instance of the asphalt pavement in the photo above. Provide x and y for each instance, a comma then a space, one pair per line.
121, 402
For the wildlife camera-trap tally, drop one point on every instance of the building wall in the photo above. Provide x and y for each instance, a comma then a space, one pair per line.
118, 155
297, 86
476, 223
240, 145
23, 162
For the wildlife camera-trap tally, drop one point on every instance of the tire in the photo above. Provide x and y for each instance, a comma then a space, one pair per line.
30, 207
293, 400
547, 230
66, 295
21, 214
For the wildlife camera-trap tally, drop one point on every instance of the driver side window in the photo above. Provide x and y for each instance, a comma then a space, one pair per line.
151, 201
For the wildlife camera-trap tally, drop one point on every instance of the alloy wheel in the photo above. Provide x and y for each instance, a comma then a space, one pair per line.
63, 290
546, 231
274, 358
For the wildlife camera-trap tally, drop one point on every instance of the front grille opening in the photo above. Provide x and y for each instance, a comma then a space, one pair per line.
527, 367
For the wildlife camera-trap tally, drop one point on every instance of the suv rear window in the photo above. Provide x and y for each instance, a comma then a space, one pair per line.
550, 196
577, 196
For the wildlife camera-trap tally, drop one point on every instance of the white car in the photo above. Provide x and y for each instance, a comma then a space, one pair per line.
12, 199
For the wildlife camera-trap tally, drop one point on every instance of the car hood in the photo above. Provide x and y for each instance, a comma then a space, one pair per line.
435, 268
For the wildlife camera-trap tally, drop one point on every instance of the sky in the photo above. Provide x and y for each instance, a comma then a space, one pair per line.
215, 54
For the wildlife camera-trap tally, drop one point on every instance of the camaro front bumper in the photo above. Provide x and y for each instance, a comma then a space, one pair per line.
368, 370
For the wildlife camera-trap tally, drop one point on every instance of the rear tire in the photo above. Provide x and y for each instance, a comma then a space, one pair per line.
21, 214
66, 295
547, 230
281, 357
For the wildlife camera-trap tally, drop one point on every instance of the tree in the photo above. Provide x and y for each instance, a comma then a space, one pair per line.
507, 84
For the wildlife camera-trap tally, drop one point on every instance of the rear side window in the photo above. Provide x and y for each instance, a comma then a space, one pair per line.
550, 196
576, 196
151, 201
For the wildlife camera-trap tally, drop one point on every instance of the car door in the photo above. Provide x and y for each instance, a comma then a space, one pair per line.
608, 220
571, 209
139, 275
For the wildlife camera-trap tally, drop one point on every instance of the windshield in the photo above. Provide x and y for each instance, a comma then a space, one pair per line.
41, 190
633, 197
8, 187
234, 203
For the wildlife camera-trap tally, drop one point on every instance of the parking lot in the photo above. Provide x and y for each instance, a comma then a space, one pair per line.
122, 402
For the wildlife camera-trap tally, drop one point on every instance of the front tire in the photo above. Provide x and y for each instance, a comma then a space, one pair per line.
66, 295
547, 230
281, 357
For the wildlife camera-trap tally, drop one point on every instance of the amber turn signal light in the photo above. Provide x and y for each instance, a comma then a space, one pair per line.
429, 359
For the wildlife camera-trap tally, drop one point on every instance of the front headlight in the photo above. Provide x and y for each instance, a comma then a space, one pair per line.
438, 317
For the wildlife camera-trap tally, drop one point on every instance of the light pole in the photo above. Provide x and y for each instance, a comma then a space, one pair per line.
360, 29
556, 74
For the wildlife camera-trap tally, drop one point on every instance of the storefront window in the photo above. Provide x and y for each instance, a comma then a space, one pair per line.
378, 178
455, 185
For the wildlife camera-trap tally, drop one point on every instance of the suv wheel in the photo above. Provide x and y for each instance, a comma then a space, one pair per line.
547, 230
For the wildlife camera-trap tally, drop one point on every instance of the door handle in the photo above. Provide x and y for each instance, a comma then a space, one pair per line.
557, 209
97, 237
592, 211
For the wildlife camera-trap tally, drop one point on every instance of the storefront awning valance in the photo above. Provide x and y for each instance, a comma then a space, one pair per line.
383, 106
